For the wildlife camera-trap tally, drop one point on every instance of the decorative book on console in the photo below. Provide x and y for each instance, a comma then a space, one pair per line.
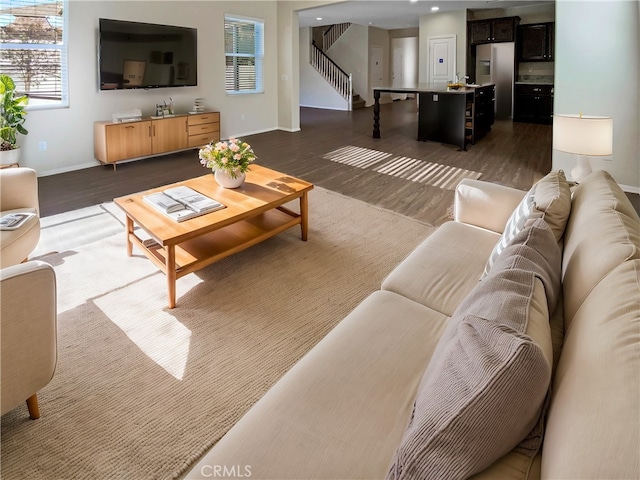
182, 203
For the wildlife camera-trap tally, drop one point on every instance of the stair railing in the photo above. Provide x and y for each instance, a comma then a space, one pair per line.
331, 34
340, 80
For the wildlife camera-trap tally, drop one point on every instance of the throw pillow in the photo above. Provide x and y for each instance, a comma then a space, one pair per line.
483, 391
549, 198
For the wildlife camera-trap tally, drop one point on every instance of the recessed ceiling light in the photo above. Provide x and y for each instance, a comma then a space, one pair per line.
413, 1
318, 18
435, 9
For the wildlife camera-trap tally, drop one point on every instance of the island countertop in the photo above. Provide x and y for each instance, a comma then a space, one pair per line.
430, 88
446, 115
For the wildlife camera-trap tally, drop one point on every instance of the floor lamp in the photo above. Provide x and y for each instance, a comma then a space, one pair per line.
583, 135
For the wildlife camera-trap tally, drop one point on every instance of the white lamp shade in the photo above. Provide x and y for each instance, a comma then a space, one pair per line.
583, 135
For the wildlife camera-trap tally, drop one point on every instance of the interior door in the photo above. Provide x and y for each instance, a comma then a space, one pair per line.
397, 72
441, 65
377, 66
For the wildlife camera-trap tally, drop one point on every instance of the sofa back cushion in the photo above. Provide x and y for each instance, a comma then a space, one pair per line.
484, 388
549, 198
602, 232
593, 424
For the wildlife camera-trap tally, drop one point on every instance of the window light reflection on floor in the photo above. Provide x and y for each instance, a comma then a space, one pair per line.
154, 329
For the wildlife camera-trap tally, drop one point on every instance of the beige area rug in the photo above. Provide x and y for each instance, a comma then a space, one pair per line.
140, 391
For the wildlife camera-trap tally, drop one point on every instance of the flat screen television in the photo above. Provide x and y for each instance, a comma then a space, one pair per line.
145, 55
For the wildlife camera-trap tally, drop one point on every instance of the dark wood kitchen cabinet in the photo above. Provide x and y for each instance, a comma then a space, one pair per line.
536, 42
493, 30
457, 117
533, 104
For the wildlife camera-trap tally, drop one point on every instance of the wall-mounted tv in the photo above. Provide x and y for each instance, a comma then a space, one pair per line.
145, 55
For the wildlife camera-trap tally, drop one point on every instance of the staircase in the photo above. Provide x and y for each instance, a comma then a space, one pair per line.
357, 102
332, 73
331, 34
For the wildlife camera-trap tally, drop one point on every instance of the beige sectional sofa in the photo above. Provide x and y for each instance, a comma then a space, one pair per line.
413, 383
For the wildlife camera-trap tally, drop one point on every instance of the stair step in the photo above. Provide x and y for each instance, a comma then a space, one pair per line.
357, 104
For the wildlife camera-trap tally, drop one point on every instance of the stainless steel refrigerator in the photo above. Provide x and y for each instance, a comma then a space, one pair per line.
495, 63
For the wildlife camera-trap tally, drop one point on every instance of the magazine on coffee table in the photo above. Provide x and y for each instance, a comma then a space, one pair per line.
182, 203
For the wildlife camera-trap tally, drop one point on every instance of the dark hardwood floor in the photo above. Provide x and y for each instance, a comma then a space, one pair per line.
513, 154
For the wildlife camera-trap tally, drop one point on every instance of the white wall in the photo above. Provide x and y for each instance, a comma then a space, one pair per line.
69, 131
288, 61
597, 51
439, 24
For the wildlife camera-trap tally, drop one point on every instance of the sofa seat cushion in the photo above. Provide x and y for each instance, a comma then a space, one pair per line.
16, 245
484, 390
340, 412
593, 426
603, 232
444, 268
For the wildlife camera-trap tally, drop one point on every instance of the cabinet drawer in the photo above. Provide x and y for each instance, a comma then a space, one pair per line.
204, 118
203, 138
203, 128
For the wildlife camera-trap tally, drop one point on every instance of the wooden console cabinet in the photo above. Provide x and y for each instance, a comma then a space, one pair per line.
114, 142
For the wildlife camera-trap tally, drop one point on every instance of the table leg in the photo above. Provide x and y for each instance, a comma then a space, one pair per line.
171, 274
129, 232
376, 114
304, 216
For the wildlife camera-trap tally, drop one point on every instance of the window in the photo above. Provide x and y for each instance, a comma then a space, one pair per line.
33, 49
244, 51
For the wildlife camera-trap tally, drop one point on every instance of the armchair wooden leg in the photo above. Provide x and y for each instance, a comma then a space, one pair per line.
32, 405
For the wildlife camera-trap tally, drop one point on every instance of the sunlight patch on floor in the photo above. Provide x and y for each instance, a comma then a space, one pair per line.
356, 156
154, 329
428, 173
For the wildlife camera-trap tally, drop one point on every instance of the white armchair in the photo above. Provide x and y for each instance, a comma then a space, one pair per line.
28, 333
19, 193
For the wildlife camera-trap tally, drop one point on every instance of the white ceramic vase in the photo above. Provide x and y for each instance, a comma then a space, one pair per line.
225, 180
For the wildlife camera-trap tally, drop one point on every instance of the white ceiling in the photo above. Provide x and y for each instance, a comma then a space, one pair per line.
394, 14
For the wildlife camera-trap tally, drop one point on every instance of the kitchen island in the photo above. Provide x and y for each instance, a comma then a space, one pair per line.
454, 116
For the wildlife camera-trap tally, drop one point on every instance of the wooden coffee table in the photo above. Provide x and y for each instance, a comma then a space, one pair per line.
254, 213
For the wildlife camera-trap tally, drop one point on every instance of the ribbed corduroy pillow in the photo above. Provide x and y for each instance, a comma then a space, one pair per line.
549, 198
484, 388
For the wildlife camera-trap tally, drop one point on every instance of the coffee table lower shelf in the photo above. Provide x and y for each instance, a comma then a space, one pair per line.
194, 254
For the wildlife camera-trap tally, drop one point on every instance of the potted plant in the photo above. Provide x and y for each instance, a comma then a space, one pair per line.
229, 161
12, 117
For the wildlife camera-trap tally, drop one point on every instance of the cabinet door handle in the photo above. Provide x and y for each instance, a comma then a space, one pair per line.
154, 130
129, 126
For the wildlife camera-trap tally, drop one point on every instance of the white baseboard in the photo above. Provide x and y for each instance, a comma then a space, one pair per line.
630, 189
72, 168
326, 108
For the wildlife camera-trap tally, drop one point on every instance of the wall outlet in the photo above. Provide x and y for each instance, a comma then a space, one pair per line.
42, 146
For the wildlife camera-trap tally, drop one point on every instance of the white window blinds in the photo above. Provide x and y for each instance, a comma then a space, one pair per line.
244, 52
33, 50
